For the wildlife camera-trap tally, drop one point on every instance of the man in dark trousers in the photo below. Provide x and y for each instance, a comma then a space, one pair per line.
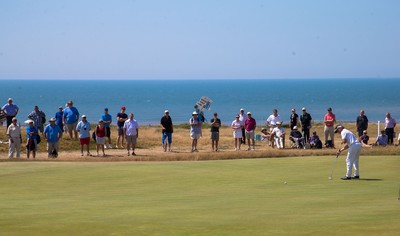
305, 121
167, 130
361, 123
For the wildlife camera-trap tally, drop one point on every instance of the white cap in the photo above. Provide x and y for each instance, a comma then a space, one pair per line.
303, 109
83, 116
166, 111
295, 127
241, 109
194, 113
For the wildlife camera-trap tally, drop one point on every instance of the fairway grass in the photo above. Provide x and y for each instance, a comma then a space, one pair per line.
230, 197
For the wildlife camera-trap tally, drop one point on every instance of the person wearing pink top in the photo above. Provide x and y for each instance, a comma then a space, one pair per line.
329, 121
250, 126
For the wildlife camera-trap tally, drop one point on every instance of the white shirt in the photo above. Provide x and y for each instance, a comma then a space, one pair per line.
14, 131
131, 126
273, 119
278, 132
241, 119
348, 136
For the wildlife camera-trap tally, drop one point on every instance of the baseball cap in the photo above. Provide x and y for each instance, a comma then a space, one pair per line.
329, 109
166, 111
10, 99
338, 127
52, 119
60, 107
194, 113
241, 109
106, 109
248, 113
83, 116
295, 127
303, 109
123, 108
278, 123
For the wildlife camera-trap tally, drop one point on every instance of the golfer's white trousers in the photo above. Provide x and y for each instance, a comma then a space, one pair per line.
352, 159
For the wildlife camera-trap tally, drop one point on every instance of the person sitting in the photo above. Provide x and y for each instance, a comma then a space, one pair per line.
382, 139
279, 135
314, 141
364, 138
297, 138
265, 135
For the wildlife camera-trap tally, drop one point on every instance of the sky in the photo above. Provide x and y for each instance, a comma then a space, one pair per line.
208, 39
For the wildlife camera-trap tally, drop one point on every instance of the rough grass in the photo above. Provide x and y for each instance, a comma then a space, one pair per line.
149, 147
241, 197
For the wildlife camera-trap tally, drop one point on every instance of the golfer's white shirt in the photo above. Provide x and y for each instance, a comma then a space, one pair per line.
349, 137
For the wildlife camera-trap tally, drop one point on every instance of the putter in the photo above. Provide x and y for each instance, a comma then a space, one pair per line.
334, 165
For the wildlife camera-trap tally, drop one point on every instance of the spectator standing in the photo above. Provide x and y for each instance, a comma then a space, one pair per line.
242, 119
364, 138
38, 118
305, 121
14, 139
59, 118
71, 118
294, 119
237, 132
121, 118
361, 123
107, 120
279, 135
167, 130
250, 126
83, 127
390, 124
271, 122
350, 142
52, 133
31, 142
329, 130
131, 131
101, 134
215, 124
11, 111
195, 130
382, 139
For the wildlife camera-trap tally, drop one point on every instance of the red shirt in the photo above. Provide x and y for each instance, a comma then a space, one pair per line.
101, 132
250, 124
329, 118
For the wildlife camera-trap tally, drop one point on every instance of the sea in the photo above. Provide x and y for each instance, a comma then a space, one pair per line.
148, 99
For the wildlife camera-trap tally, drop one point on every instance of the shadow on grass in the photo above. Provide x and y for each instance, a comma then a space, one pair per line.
370, 179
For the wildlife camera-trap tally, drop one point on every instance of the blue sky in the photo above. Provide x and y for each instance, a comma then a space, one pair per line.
147, 39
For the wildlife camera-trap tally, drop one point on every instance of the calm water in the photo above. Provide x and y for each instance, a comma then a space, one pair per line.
148, 99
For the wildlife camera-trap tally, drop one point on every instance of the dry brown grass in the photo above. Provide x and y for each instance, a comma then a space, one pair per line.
149, 147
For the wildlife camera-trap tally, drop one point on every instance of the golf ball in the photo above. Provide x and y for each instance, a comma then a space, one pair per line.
285, 182
329, 177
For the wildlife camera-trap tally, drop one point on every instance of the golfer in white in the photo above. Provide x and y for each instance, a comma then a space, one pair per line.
350, 142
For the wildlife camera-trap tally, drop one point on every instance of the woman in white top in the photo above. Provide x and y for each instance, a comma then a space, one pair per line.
237, 132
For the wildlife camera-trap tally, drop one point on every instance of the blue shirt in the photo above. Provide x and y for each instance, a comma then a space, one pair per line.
71, 115
10, 110
31, 129
107, 117
52, 133
84, 129
59, 116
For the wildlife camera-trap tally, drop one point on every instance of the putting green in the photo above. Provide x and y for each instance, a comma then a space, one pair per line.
236, 197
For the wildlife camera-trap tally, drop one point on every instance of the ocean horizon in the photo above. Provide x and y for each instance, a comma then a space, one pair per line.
148, 99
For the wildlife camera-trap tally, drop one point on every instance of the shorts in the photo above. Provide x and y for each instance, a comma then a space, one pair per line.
72, 127
249, 134
85, 141
131, 139
194, 136
120, 130
214, 136
166, 135
108, 131
100, 140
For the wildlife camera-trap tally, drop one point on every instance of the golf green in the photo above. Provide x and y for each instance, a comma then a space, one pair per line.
271, 196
